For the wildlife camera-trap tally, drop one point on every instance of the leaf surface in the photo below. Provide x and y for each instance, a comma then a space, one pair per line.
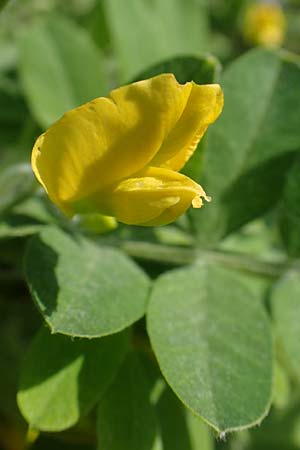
82, 289
212, 340
62, 379
60, 68
126, 417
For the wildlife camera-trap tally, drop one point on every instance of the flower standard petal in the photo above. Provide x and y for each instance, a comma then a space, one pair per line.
154, 194
112, 155
107, 139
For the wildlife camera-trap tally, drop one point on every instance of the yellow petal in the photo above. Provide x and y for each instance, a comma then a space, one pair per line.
154, 196
107, 139
203, 106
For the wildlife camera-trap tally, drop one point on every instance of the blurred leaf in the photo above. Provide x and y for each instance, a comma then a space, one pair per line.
257, 238
172, 421
14, 127
213, 343
200, 435
279, 432
225, 15
290, 211
18, 322
3, 3
13, 226
49, 443
27, 217
180, 430
145, 32
202, 70
62, 379
37, 207
82, 289
17, 139
8, 59
16, 183
11, 252
253, 143
126, 418
13, 108
98, 27
286, 313
60, 68
281, 387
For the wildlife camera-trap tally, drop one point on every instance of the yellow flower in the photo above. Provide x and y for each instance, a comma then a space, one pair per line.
120, 155
265, 25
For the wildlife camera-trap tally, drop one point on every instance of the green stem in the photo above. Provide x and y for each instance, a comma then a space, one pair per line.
159, 252
181, 256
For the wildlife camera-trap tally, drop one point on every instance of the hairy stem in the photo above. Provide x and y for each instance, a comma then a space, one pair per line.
181, 256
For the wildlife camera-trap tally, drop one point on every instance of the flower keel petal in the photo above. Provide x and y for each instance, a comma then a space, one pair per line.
154, 194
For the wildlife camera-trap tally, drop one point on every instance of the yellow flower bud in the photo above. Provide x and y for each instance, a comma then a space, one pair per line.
120, 155
265, 25
97, 223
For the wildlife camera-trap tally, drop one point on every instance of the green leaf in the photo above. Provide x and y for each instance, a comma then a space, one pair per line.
83, 289
286, 311
252, 144
13, 226
212, 340
16, 183
289, 218
145, 32
180, 430
126, 417
60, 68
27, 217
62, 379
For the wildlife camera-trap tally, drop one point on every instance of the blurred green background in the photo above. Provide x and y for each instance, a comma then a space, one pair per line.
58, 54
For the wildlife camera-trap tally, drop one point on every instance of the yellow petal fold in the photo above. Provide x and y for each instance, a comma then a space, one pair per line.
154, 196
203, 107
